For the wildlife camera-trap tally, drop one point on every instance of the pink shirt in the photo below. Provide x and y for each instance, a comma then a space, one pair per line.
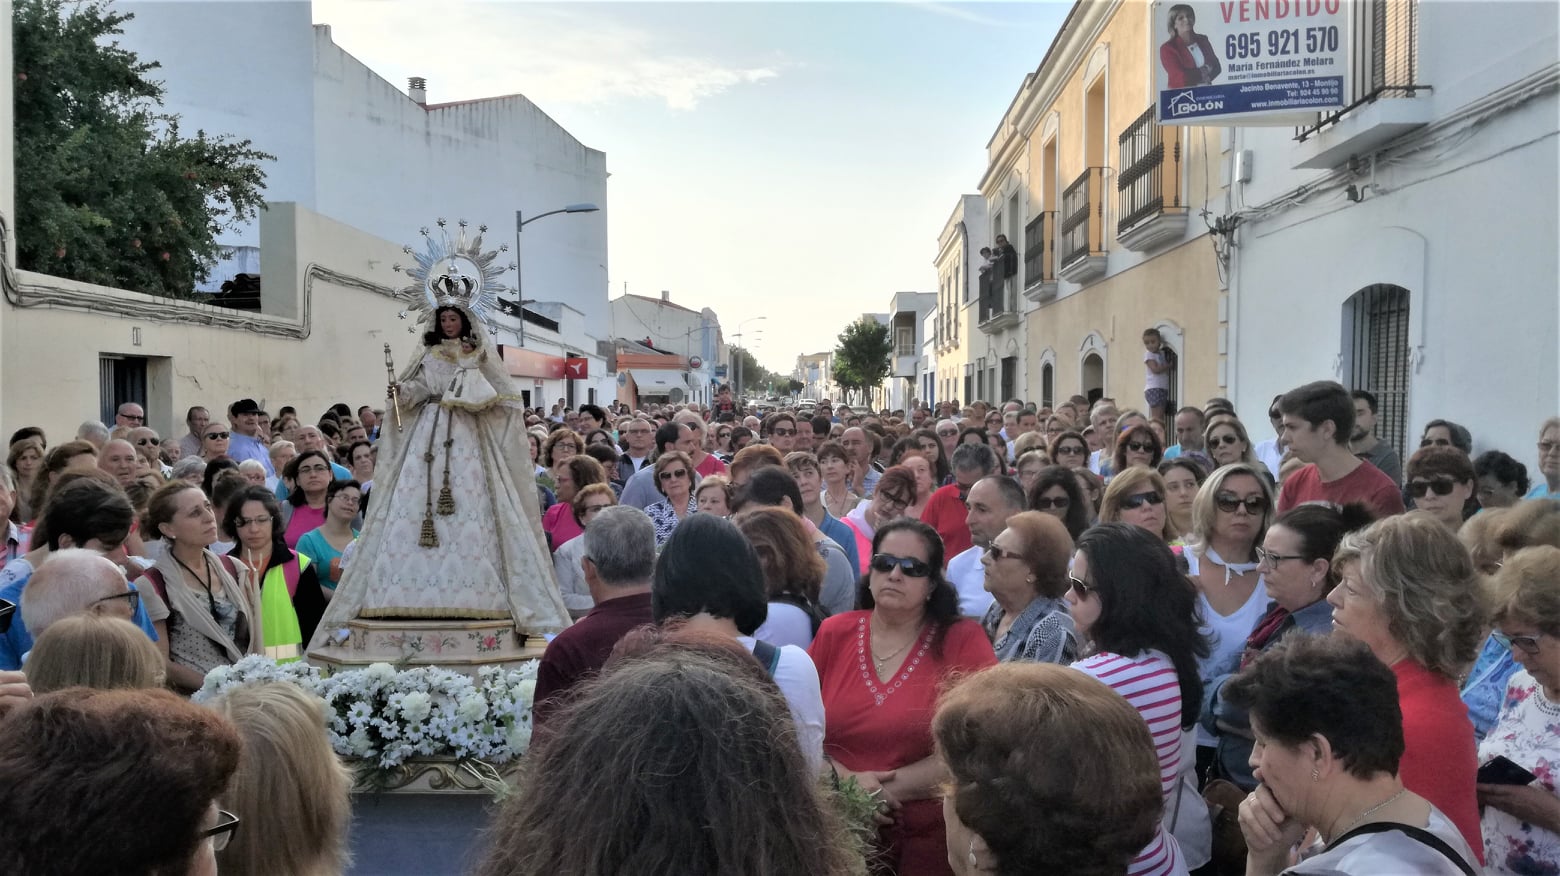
559, 524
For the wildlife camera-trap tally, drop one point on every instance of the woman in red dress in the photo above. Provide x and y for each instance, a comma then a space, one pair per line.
880, 670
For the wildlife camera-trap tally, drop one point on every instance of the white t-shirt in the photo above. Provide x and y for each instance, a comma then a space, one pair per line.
786, 625
1152, 380
798, 680
1226, 634
968, 576
1392, 852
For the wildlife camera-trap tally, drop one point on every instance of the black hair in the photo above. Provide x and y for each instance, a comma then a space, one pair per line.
1462, 439
213, 468
84, 510
770, 485
26, 432
295, 495
1321, 526
1145, 604
708, 566
821, 425
235, 507
434, 336
336, 486
666, 436
942, 605
942, 469
1079, 509
341, 410
595, 412
1365, 395
1503, 468
1318, 402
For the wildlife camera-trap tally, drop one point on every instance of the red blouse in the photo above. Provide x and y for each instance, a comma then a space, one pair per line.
1440, 758
877, 725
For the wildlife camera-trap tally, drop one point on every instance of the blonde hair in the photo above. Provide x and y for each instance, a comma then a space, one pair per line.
1234, 423
1205, 506
1126, 483
290, 789
1425, 584
93, 650
1527, 589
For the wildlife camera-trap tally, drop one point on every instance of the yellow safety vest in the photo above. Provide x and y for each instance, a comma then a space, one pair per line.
278, 619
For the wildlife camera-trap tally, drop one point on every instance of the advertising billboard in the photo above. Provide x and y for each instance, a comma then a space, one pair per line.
1249, 62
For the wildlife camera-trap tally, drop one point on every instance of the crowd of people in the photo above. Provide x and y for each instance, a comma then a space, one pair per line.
1037, 638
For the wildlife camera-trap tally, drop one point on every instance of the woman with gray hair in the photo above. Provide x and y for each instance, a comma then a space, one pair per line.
1410, 593
191, 469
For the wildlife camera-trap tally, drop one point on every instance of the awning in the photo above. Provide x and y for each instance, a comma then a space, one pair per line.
652, 381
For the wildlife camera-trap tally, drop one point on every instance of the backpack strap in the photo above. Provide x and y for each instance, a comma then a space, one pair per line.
155, 576
1418, 834
768, 655
814, 614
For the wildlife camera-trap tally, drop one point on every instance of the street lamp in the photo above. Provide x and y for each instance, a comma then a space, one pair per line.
520, 224
738, 335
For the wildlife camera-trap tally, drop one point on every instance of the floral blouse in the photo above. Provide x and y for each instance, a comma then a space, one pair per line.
1042, 633
1528, 734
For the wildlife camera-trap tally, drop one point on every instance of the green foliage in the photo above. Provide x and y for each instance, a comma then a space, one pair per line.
858, 810
107, 191
861, 359
754, 376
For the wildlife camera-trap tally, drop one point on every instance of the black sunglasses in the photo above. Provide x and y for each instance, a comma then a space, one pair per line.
1138, 500
911, 566
1223, 439
1228, 502
1071, 449
1441, 486
679, 473
145, 441
1079, 585
217, 436
1060, 503
1140, 447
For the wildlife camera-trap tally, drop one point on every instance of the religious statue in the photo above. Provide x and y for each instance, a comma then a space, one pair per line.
454, 531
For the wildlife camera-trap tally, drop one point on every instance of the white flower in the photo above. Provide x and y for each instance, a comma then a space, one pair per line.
380, 673
359, 743
526, 690
472, 707
416, 706
359, 713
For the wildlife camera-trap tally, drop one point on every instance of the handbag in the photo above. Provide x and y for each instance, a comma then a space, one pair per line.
1229, 844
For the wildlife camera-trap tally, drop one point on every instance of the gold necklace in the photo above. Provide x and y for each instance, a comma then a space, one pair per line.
1367, 813
879, 661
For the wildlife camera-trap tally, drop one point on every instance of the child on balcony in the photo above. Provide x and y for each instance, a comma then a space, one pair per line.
1156, 376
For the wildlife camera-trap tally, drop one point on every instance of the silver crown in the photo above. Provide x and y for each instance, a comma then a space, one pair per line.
454, 272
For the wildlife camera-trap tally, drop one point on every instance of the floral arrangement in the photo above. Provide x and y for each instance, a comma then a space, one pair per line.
385, 717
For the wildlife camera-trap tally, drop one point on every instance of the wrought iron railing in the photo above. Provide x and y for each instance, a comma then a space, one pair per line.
1150, 178
1383, 57
1082, 217
1039, 259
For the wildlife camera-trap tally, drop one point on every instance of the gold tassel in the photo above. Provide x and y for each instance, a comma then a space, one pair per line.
446, 498
430, 538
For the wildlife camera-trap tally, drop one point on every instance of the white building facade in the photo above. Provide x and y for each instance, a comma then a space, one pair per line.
693, 335
1407, 245
358, 149
958, 263
906, 316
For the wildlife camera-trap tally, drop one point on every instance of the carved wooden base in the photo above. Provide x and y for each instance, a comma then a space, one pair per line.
435, 775
459, 645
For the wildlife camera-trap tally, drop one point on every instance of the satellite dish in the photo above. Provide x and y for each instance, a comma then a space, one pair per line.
676, 395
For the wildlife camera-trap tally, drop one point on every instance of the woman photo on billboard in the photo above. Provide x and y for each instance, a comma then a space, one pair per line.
1188, 57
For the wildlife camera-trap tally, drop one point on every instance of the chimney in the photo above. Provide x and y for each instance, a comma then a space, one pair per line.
417, 90
666, 295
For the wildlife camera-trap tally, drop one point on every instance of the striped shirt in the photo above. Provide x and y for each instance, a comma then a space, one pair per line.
1149, 682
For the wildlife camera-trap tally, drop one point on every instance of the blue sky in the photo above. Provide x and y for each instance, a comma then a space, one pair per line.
788, 160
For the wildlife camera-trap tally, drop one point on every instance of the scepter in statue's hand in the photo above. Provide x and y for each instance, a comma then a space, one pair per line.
390, 393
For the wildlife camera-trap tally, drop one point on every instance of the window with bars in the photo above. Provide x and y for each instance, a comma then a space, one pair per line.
1384, 57
1047, 385
1376, 326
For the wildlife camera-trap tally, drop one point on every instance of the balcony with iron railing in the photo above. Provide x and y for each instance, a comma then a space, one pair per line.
1082, 231
1386, 98
998, 308
1149, 186
1040, 257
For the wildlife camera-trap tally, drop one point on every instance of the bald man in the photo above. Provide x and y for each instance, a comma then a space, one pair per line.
75, 581
118, 458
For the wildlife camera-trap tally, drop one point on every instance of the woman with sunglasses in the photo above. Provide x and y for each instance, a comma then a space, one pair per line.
214, 441
1138, 615
1521, 823
1070, 449
1295, 561
1026, 574
1230, 518
1138, 445
1441, 482
1227, 441
880, 670
1137, 496
1056, 491
1410, 592
674, 479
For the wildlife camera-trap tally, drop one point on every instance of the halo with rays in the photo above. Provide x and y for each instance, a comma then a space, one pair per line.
454, 271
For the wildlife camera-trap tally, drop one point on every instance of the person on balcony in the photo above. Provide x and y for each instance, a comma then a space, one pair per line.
1188, 57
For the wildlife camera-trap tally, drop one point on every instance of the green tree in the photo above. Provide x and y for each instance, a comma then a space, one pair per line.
861, 359
107, 191
747, 369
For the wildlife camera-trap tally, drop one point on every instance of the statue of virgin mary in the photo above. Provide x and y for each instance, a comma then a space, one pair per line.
454, 531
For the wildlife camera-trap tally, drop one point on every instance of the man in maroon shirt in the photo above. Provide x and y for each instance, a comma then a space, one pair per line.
619, 563
1318, 420
945, 510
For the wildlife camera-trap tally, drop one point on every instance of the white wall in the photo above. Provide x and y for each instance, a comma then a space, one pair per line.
1467, 225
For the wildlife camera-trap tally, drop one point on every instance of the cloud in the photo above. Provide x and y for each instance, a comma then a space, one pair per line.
578, 54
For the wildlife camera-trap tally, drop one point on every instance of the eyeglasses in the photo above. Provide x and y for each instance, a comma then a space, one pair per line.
566, 445
781, 433
145, 441
911, 566
1071, 450
222, 833
313, 469
1080, 586
944, 434
679, 473
1060, 503
592, 509
216, 436
1138, 500
258, 520
130, 596
1228, 502
1226, 440
1140, 447
1547, 447
1528, 644
997, 554
349, 498
1434, 442
139, 418
1271, 559
1441, 486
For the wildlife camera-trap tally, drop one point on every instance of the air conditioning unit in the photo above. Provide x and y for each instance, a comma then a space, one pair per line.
676, 396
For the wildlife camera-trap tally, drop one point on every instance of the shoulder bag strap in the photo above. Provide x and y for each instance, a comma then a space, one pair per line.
768, 655
1415, 833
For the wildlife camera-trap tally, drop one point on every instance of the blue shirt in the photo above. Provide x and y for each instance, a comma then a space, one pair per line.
16, 642
1541, 491
1485, 689
1173, 451
846, 537
242, 447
